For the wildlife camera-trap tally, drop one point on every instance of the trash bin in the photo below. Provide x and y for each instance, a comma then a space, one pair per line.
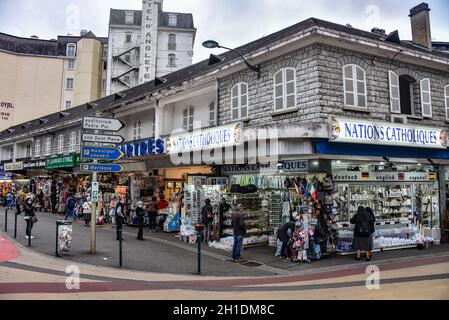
63, 237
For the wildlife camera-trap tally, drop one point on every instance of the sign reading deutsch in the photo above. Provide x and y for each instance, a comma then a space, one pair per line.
384, 133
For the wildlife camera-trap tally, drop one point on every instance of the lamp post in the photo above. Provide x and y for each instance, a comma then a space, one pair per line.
211, 44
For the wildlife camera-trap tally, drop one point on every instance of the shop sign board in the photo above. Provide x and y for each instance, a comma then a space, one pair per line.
102, 138
95, 167
363, 131
13, 166
285, 166
95, 191
105, 124
37, 164
218, 137
357, 176
143, 148
101, 153
61, 162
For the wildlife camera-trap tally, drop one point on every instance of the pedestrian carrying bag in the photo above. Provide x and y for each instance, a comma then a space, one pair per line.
34, 219
364, 227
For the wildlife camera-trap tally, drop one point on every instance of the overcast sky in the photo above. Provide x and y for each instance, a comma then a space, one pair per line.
231, 22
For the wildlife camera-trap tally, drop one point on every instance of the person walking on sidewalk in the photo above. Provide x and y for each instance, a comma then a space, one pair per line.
87, 211
152, 214
19, 202
29, 212
238, 225
207, 217
140, 215
364, 225
70, 204
120, 217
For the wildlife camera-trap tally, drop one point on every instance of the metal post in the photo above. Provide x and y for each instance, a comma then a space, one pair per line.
29, 230
6, 220
15, 225
93, 220
56, 242
120, 248
199, 239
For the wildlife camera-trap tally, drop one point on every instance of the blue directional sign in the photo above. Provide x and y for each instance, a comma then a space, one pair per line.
98, 167
99, 153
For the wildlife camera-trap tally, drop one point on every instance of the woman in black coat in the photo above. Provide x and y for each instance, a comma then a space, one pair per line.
284, 236
363, 229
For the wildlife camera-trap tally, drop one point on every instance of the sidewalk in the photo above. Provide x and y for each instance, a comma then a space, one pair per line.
165, 253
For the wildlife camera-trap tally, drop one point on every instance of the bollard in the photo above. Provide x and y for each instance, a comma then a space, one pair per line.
199, 230
120, 248
6, 220
15, 226
28, 220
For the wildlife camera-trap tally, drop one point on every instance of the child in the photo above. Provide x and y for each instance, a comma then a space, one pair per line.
299, 252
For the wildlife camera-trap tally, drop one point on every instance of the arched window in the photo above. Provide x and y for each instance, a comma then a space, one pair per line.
172, 60
72, 141
239, 101
172, 41
446, 100
187, 118
28, 151
285, 89
61, 143
71, 50
137, 130
48, 146
354, 81
37, 148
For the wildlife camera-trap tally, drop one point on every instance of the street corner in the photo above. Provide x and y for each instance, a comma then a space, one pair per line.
8, 250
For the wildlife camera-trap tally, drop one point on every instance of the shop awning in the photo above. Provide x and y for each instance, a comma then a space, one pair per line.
326, 147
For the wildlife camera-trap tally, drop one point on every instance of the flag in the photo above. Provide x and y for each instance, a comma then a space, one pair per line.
311, 190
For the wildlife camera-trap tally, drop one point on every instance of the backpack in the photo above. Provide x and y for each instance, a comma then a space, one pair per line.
364, 225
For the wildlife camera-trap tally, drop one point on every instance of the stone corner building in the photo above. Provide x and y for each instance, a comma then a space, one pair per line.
367, 107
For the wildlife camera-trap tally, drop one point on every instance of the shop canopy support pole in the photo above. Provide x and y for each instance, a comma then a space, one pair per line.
93, 220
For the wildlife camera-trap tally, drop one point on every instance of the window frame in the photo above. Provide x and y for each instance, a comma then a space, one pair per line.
47, 151
285, 84
28, 151
68, 105
422, 98
69, 46
212, 114
71, 64
170, 57
72, 141
239, 101
11, 153
128, 37
188, 117
355, 82
137, 130
172, 20
69, 80
446, 100
60, 144
129, 14
37, 147
171, 41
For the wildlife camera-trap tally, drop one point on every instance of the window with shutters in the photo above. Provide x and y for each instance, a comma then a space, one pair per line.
37, 149
48, 146
354, 82
426, 98
239, 101
60, 144
28, 151
212, 114
285, 89
187, 118
72, 141
137, 130
446, 100
403, 94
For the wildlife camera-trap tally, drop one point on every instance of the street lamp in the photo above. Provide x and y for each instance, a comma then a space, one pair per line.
211, 44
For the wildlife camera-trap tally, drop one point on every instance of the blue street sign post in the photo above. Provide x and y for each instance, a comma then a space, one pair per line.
96, 167
101, 153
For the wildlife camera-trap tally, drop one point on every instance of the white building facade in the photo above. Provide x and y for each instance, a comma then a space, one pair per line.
147, 44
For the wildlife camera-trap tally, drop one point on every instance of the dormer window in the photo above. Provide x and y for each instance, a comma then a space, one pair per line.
129, 18
71, 50
172, 20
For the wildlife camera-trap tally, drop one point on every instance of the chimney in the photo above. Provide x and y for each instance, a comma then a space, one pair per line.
34, 37
420, 19
83, 32
378, 31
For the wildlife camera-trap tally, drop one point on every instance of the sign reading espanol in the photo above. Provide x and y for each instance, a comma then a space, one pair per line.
218, 137
384, 133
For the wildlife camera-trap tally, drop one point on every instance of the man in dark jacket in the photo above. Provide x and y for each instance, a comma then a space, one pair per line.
207, 217
284, 234
29, 214
238, 226
120, 217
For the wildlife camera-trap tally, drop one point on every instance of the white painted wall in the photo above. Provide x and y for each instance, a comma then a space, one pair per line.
146, 117
183, 52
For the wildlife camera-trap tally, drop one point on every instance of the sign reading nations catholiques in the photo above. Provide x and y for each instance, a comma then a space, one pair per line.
224, 136
384, 133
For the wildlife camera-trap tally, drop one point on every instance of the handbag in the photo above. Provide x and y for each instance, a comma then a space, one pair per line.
34, 219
